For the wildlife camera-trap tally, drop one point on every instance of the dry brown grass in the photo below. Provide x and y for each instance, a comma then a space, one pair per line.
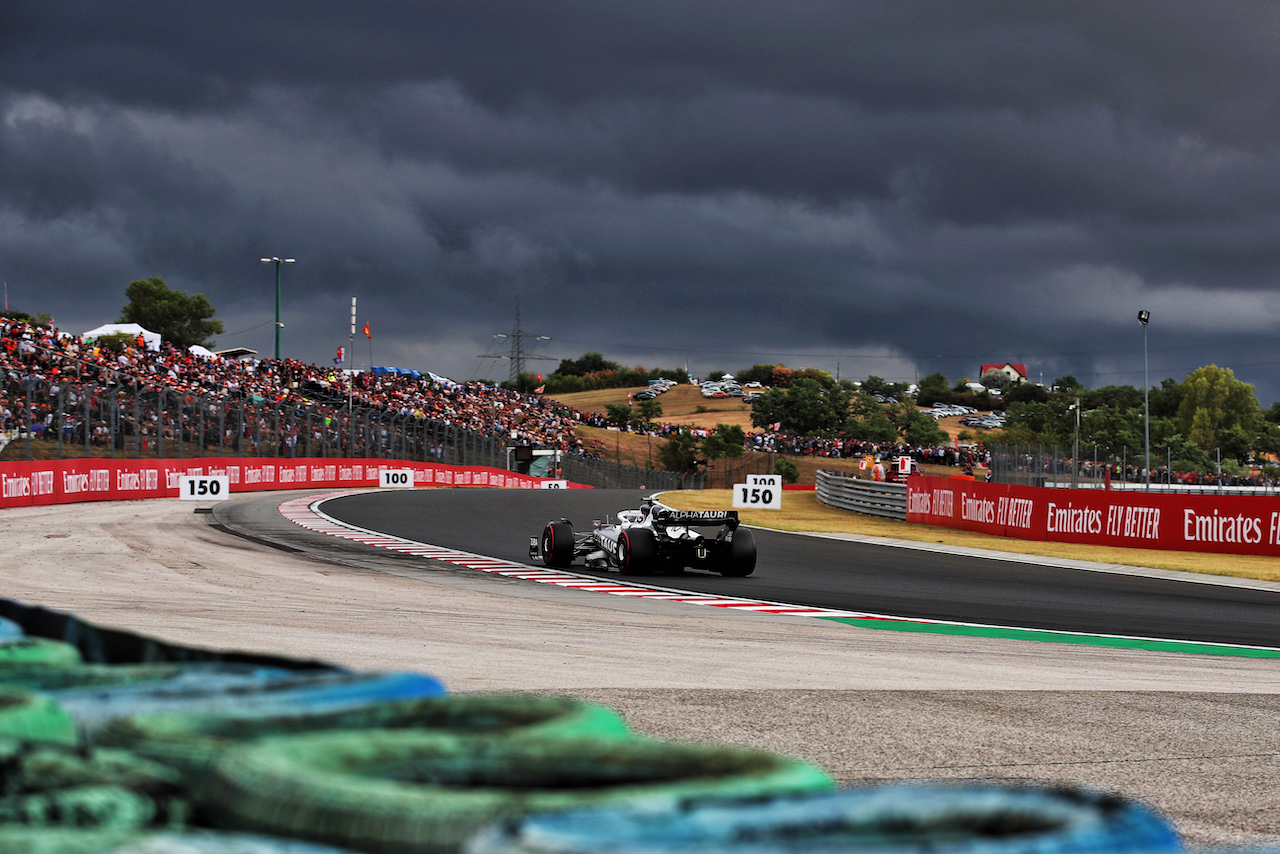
680, 405
802, 511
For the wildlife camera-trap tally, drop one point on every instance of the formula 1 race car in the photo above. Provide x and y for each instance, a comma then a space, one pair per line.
652, 539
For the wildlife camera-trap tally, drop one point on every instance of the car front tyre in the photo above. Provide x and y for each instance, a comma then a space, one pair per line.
557, 544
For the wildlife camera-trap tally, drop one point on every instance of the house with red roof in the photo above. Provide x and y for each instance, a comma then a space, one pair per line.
1015, 373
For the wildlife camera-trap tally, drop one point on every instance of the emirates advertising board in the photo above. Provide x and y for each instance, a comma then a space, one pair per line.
1230, 524
30, 483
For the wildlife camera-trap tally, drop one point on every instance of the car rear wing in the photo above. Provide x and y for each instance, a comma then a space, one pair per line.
664, 516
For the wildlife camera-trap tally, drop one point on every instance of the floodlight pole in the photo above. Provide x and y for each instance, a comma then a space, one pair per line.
277, 262
1143, 317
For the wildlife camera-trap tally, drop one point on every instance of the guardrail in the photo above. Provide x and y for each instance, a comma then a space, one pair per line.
844, 490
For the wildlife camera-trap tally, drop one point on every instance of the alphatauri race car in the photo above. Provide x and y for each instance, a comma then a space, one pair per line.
652, 539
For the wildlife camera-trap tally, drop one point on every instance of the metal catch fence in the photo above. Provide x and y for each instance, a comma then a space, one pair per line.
1097, 467
66, 420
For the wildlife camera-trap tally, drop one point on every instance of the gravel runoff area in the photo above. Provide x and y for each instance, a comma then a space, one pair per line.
1194, 736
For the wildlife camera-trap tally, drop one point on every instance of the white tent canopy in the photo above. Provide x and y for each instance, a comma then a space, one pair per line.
151, 338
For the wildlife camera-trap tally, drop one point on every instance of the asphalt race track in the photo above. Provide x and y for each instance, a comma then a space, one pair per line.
828, 573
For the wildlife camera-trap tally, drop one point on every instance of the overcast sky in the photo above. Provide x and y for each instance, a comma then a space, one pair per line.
890, 188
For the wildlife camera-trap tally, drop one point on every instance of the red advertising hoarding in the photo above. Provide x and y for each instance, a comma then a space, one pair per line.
25, 484
1229, 524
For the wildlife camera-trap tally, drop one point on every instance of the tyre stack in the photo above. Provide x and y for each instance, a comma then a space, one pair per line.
189, 751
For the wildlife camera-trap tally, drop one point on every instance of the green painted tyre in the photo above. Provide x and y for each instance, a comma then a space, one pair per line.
57, 840
31, 652
213, 842
41, 677
403, 791
56, 785
34, 717
109, 807
193, 743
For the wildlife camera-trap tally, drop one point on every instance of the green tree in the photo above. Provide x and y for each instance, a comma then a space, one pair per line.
1214, 402
618, 413
995, 379
787, 469
1113, 428
1067, 384
1026, 393
725, 441
805, 407
933, 389
868, 421
879, 385
1165, 400
762, 374
1032, 423
680, 452
42, 318
590, 362
648, 411
1111, 396
917, 428
182, 320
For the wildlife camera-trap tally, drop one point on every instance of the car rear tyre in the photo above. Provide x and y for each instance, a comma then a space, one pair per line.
637, 551
741, 558
557, 544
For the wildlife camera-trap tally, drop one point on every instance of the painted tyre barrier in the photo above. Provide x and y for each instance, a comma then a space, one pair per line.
58, 840
213, 842
52, 785
34, 717
122, 677
193, 743
23, 652
61, 841
901, 819
407, 791
240, 692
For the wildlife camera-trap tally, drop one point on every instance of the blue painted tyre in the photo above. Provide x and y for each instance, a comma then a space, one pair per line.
406, 790
239, 691
10, 631
192, 743
939, 818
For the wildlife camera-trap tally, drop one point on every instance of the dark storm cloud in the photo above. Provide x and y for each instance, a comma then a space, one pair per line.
895, 187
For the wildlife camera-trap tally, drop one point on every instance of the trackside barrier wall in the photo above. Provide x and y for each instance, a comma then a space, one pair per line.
39, 482
1225, 524
878, 498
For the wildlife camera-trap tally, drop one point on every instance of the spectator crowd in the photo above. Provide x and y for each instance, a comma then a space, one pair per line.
50, 371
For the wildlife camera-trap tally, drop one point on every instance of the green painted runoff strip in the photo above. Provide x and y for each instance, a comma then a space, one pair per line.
1059, 637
